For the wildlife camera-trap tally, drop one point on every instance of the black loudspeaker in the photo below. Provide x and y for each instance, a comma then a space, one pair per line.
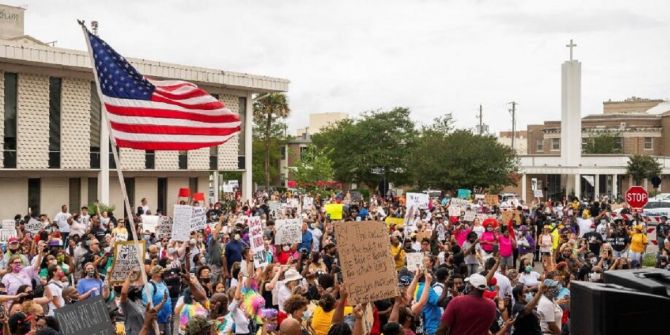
610, 309
647, 280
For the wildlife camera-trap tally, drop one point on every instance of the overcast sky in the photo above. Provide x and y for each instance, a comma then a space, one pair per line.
434, 57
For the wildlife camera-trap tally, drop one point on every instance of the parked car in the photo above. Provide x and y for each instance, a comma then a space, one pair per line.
655, 208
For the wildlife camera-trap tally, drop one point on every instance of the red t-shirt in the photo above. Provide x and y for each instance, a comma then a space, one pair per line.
469, 315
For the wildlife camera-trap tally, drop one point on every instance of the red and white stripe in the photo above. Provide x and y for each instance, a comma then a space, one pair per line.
179, 116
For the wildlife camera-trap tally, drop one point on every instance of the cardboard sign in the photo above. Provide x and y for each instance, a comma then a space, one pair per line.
417, 200
6, 234
469, 216
538, 194
125, 261
288, 231
150, 222
398, 222
506, 216
454, 211
8, 224
164, 229
85, 317
492, 199
464, 193
335, 211
181, 227
414, 261
256, 242
367, 265
34, 226
198, 218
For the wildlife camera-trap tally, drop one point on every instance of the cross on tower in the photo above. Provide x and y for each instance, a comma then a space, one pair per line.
571, 45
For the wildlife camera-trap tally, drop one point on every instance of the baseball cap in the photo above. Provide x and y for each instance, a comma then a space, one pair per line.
12, 240
477, 281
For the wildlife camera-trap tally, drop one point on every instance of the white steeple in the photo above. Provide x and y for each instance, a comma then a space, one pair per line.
571, 110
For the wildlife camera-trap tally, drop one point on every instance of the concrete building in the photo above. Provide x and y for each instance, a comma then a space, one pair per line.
556, 162
520, 140
54, 145
318, 121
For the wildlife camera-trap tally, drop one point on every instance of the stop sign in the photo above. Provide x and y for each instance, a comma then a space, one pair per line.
637, 197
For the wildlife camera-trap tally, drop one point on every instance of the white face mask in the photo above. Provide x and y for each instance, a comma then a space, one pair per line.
595, 276
285, 248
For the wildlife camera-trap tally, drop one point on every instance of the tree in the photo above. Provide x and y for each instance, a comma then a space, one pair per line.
442, 124
462, 159
268, 109
372, 149
643, 166
314, 166
603, 143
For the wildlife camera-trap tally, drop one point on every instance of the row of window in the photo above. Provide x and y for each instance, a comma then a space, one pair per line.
55, 88
556, 144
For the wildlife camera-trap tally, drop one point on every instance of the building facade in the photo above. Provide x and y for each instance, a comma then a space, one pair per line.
520, 143
55, 144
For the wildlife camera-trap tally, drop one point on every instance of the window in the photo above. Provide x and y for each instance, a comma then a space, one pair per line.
283, 152
214, 158
130, 189
162, 195
555, 144
618, 144
34, 195
75, 193
54, 122
193, 184
150, 159
92, 190
303, 152
539, 145
183, 160
648, 143
9, 147
95, 127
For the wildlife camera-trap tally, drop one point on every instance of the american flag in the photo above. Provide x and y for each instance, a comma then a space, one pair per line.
148, 114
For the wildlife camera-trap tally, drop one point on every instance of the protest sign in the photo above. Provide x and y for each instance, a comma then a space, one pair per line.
293, 202
150, 222
456, 202
242, 219
538, 194
198, 218
228, 188
86, 317
398, 222
307, 202
334, 211
464, 193
410, 215
34, 226
274, 208
5, 234
454, 211
491, 199
164, 229
469, 215
506, 216
367, 265
414, 261
181, 218
288, 231
125, 261
441, 232
8, 224
479, 197
256, 242
417, 200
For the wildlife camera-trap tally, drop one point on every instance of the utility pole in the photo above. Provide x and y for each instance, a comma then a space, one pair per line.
513, 111
481, 123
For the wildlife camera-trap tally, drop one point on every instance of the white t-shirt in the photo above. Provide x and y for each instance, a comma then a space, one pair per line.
316, 239
529, 279
584, 226
239, 317
504, 285
479, 230
549, 312
56, 290
61, 220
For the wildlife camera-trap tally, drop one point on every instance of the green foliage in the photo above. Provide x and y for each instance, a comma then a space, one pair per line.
258, 160
462, 160
643, 166
649, 260
314, 166
362, 150
442, 124
94, 207
604, 143
269, 110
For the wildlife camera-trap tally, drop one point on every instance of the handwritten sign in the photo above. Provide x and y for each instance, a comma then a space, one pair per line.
274, 208
288, 231
398, 222
198, 218
414, 261
454, 211
34, 226
256, 242
86, 317
469, 215
335, 211
538, 194
417, 200
164, 229
491, 199
125, 261
6, 234
367, 265
149, 222
307, 202
8, 224
441, 232
181, 227
456, 202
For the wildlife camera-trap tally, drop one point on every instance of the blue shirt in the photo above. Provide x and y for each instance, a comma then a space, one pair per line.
306, 241
86, 284
431, 313
233, 251
157, 290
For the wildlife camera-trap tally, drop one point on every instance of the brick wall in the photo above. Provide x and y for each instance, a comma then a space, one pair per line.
167, 160
132, 159
75, 124
198, 159
33, 122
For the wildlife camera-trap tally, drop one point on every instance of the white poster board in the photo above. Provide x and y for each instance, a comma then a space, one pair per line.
307, 202
5, 234
198, 218
34, 226
457, 202
469, 215
288, 231
125, 261
181, 218
417, 200
454, 211
164, 229
414, 261
538, 194
256, 242
150, 222
8, 224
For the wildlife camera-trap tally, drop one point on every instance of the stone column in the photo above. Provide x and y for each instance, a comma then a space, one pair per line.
578, 188
247, 187
596, 191
215, 184
615, 186
523, 187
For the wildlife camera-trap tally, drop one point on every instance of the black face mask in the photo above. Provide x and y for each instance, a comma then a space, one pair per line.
205, 280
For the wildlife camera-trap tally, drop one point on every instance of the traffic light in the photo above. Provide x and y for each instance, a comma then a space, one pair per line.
656, 181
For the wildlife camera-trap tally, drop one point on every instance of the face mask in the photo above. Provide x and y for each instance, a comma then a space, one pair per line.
237, 237
528, 269
489, 229
90, 273
205, 280
529, 297
285, 248
594, 261
16, 268
306, 315
595, 276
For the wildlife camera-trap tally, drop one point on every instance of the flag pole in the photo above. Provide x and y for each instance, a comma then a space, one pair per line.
119, 173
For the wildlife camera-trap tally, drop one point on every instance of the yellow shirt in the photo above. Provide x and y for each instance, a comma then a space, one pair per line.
321, 320
400, 253
638, 241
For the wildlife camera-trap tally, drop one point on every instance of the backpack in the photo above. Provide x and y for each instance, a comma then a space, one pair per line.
444, 297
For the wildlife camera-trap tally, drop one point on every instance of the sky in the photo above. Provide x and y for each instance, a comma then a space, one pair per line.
434, 57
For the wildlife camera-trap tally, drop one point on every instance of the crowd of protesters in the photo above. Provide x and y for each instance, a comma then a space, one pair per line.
484, 276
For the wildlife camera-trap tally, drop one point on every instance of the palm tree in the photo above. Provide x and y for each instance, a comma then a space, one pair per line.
267, 109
